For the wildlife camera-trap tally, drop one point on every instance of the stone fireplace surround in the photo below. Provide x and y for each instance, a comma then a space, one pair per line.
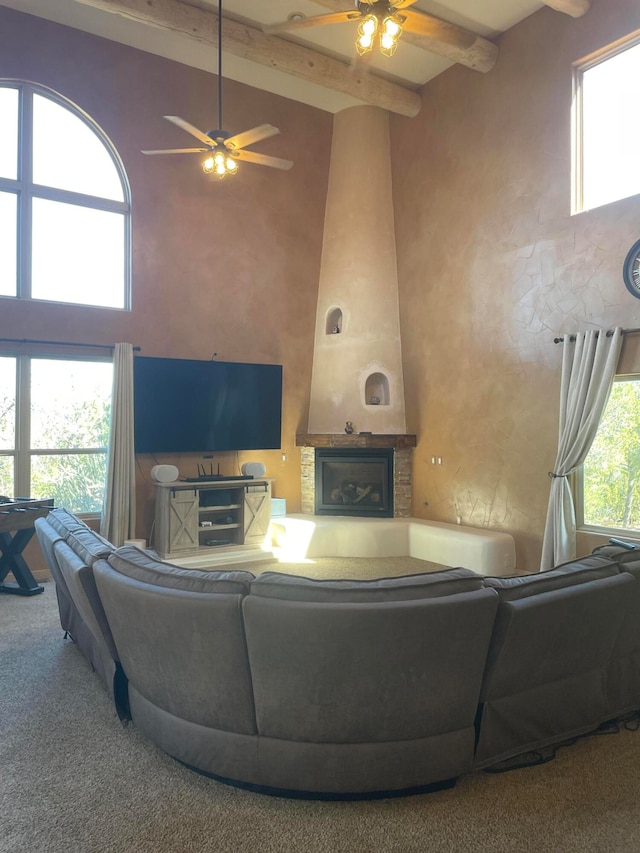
402, 446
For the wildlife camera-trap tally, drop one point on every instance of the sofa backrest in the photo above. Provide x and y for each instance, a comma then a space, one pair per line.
568, 574
554, 635
546, 673
357, 671
405, 588
180, 637
89, 545
146, 568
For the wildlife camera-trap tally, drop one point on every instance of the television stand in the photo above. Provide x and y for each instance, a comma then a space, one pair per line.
196, 516
216, 478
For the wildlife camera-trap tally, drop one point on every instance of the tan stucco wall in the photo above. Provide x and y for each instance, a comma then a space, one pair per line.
228, 267
358, 276
491, 266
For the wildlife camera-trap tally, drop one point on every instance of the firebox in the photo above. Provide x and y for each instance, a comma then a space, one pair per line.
354, 481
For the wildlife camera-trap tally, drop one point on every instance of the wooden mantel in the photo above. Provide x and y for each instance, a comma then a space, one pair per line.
318, 439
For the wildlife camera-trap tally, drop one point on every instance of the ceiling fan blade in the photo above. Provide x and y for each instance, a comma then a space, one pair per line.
262, 159
190, 129
313, 21
177, 151
248, 137
402, 4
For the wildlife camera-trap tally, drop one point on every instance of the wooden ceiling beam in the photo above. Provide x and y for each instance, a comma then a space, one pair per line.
252, 44
575, 8
444, 39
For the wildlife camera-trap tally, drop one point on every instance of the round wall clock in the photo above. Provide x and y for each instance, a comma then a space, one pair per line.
631, 270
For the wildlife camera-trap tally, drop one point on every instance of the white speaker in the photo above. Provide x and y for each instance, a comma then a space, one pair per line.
253, 469
164, 473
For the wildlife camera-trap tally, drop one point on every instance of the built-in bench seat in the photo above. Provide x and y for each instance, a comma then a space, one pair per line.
487, 552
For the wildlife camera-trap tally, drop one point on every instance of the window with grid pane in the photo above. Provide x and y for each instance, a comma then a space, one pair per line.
611, 472
64, 203
607, 154
54, 426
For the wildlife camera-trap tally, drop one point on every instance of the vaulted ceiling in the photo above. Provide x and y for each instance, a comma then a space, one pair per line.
316, 65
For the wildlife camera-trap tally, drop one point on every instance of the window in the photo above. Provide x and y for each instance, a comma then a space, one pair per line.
64, 203
54, 427
611, 472
607, 125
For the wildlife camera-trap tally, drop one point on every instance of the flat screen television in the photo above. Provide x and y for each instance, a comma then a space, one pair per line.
188, 406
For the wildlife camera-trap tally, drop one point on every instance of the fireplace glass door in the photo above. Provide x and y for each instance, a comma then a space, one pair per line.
354, 481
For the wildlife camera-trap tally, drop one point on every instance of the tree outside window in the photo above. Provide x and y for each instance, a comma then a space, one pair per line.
611, 471
60, 449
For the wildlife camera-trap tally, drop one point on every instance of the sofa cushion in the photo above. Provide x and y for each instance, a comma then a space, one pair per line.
65, 522
568, 574
627, 557
404, 588
141, 566
87, 544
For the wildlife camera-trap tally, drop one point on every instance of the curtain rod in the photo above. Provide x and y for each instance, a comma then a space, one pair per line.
61, 343
609, 334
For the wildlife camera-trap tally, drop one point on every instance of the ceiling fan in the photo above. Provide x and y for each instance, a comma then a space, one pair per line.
222, 149
377, 19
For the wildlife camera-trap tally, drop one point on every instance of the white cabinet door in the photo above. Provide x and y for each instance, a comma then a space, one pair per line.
257, 513
183, 520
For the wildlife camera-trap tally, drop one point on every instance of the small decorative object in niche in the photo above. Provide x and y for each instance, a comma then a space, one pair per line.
348, 428
631, 270
374, 401
333, 321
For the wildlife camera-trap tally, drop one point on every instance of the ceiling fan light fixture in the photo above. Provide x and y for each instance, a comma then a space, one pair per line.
389, 36
219, 163
367, 29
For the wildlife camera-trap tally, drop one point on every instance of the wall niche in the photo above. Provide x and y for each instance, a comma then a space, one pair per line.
376, 390
333, 323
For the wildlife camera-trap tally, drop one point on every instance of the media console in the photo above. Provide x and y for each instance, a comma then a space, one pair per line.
203, 516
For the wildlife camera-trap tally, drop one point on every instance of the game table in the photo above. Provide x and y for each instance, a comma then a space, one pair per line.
17, 517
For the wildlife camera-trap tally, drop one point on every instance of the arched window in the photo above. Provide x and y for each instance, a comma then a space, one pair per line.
64, 203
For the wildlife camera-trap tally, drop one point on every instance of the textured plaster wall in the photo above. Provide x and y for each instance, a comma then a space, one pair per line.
229, 267
358, 276
492, 266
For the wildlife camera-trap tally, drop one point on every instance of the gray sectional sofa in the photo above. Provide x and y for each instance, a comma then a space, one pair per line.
349, 688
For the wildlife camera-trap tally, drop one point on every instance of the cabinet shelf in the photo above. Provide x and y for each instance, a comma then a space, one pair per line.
207, 509
245, 509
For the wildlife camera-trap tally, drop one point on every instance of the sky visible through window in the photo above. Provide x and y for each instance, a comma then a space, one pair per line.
77, 250
611, 129
9, 133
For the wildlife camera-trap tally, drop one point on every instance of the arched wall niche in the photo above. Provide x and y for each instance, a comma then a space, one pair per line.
376, 390
333, 323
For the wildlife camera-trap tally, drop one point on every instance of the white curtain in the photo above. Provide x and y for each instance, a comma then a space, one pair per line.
119, 514
588, 369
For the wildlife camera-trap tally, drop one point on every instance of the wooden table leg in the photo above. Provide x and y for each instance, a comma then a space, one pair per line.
11, 560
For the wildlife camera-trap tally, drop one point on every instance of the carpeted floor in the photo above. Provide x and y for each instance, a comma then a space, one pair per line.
73, 779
